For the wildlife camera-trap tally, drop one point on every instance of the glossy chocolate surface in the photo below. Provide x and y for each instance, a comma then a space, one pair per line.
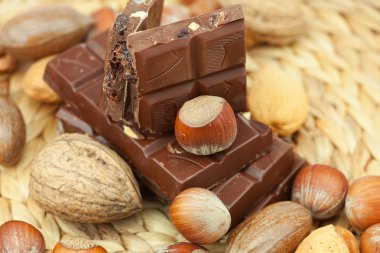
77, 76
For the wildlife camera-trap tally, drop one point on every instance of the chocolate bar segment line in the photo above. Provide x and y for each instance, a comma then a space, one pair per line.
76, 75
205, 55
137, 15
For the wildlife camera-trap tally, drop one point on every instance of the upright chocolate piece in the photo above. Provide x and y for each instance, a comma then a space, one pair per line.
172, 64
76, 75
249, 190
138, 15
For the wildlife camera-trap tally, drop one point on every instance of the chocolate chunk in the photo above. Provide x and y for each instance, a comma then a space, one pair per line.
76, 75
137, 15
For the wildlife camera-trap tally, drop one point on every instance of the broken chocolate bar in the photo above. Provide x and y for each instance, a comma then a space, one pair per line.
77, 75
172, 64
137, 15
247, 190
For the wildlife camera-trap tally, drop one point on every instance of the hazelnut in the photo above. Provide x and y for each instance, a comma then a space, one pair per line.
321, 189
73, 245
279, 227
363, 202
349, 238
370, 240
323, 240
19, 236
206, 125
200, 216
183, 247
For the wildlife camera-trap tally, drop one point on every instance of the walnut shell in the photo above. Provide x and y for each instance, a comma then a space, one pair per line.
43, 31
271, 21
34, 84
79, 179
278, 100
278, 228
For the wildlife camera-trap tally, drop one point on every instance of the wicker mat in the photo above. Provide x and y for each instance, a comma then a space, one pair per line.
338, 61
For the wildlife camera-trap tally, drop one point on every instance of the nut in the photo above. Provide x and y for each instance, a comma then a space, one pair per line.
370, 240
349, 239
200, 216
277, 100
270, 21
7, 64
323, 240
279, 227
200, 7
206, 125
321, 189
183, 247
78, 245
79, 179
173, 13
363, 202
103, 19
34, 84
43, 31
19, 236
12, 129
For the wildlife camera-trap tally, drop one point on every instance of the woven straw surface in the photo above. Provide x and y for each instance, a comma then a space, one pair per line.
337, 60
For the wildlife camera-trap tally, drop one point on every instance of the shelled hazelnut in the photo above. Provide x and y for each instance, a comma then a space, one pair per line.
363, 202
321, 189
205, 125
19, 236
349, 238
200, 216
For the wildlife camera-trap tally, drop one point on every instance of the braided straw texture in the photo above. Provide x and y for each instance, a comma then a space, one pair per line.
337, 60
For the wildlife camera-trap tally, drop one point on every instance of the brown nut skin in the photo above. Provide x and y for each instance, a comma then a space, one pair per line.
43, 31
200, 216
321, 189
183, 247
205, 125
349, 238
370, 240
363, 202
78, 245
13, 132
19, 236
278, 228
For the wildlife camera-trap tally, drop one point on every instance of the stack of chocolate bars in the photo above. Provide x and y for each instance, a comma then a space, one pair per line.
150, 71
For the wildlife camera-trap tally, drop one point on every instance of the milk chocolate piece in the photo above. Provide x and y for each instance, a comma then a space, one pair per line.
138, 15
172, 64
263, 182
76, 75
283, 190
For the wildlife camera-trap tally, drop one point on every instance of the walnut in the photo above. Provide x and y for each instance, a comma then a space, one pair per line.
275, 22
79, 179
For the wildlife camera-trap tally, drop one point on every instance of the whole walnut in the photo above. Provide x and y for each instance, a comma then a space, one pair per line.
79, 179
275, 22
278, 100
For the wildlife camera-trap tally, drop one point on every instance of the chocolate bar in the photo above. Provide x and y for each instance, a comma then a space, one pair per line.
77, 76
138, 15
247, 190
172, 64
